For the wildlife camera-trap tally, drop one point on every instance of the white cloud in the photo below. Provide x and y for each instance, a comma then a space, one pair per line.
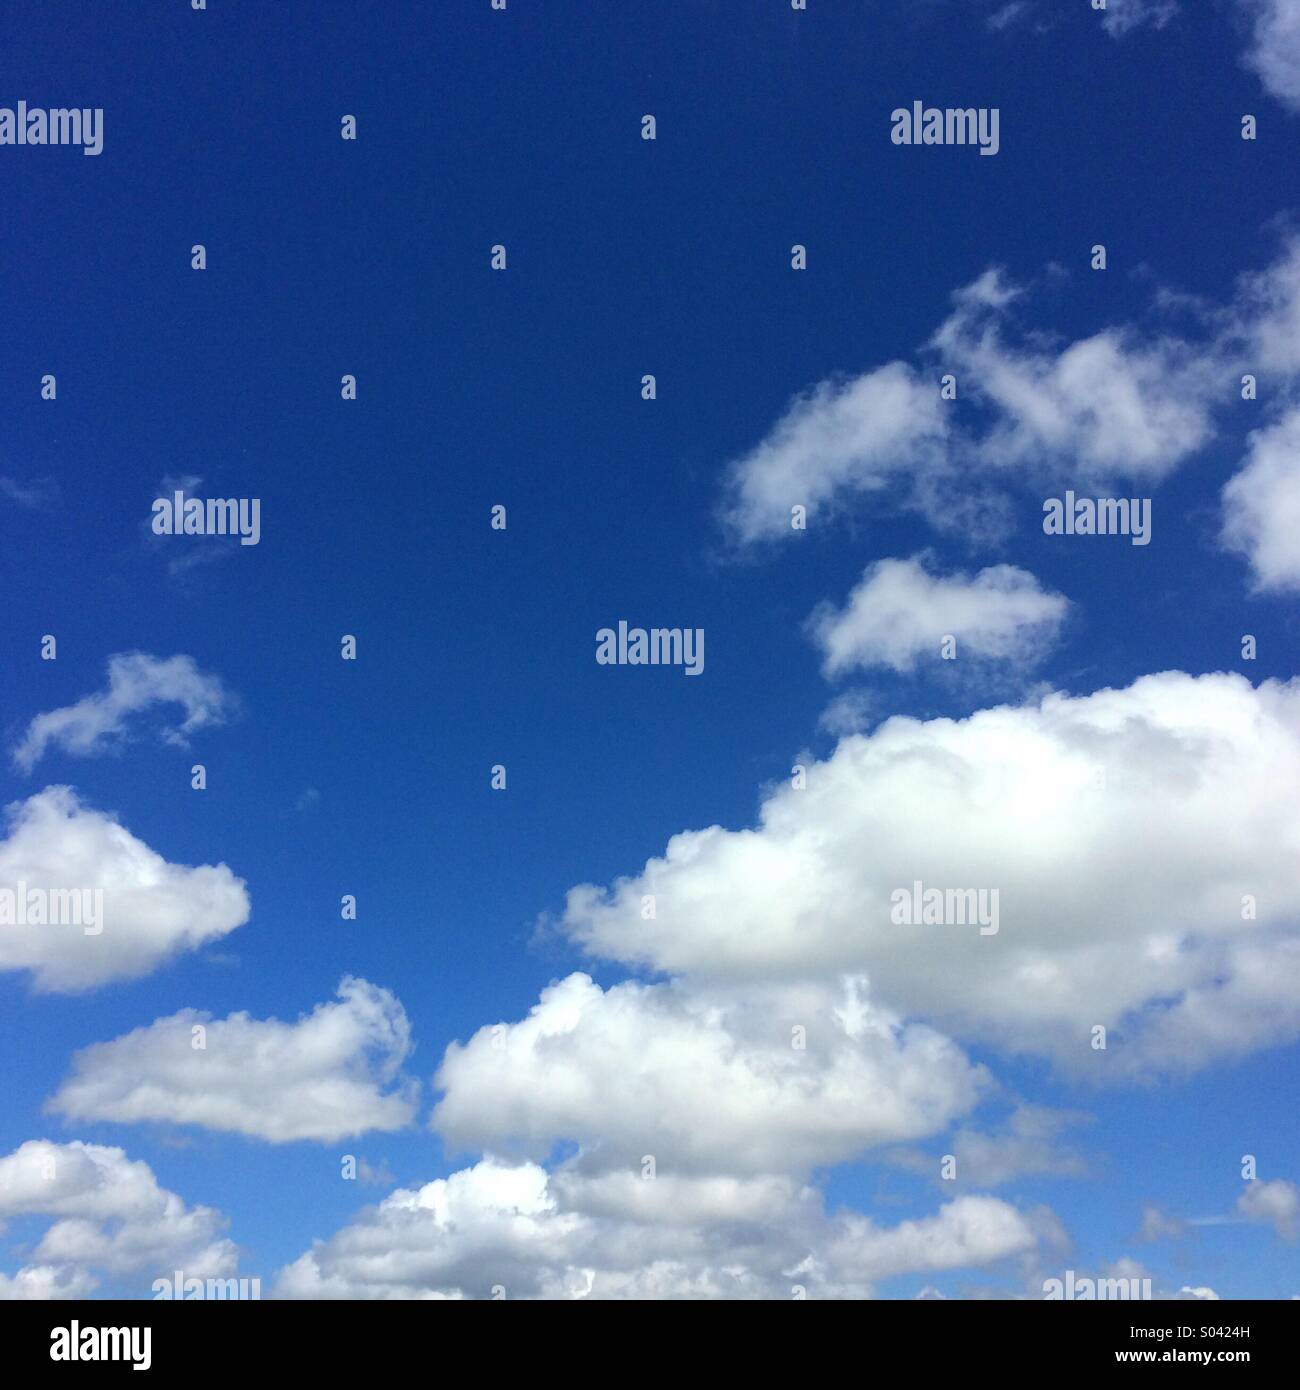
136, 682
324, 1077
1123, 403
486, 1225
1275, 1203
1274, 51
1124, 830
967, 1232
110, 1216
899, 612
42, 1283
706, 1081
850, 712
1261, 506
540, 1235
736, 1093
1127, 404
1262, 326
1261, 503
1120, 403
839, 438
152, 910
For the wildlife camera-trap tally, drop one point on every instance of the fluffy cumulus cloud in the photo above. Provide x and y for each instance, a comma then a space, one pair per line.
900, 612
136, 683
683, 1122
334, 1073
1276, 1203
534, 1234
663, 1138
1261, 506
109, 1217
1141, 842
755, 1080
151, 909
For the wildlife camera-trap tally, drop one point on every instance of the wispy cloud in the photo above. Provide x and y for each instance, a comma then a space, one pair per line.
136, 682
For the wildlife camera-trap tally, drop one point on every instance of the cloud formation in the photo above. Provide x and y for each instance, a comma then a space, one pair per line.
1261, 507
760, 1079
1274, 50
1124, 406
1030, 410
136, 682
152, 910
1141, 840
1276, 1203
110, 1217
334, 1073
900, 612
839, 438
537, 1235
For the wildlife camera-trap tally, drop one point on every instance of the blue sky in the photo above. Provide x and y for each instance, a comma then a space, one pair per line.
522, 388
